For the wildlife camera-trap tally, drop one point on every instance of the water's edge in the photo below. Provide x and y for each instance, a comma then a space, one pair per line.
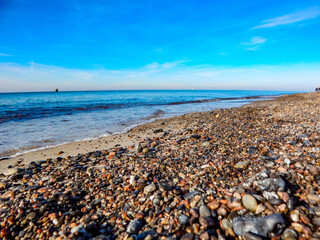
153, 117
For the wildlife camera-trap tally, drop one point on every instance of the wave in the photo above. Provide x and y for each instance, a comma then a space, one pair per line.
217, 99
43, 111
157, 114
50, 143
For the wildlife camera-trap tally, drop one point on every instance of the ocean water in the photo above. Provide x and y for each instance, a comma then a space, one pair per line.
30, 121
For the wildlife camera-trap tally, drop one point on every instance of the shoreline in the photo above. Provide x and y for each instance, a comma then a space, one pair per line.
124, 139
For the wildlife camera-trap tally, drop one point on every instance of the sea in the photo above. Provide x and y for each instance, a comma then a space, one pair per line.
37, 120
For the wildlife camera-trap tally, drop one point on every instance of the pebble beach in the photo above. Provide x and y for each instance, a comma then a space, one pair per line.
251, 172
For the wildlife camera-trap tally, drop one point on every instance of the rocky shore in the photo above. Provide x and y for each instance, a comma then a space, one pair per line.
242, 173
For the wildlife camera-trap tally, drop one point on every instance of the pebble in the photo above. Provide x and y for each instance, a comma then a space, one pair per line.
249, 202
31, 215
11, 171
188, 236
294, 215
222, 211
134, 226
316, 221
132, 179
183, 219
242, 165
206, 144
206, 221
195, 212
226, 223
213, 205
204, 211
289, 234
3, 185
262, 226
260, 208
150, 188
138, 148
7, 194
313, 197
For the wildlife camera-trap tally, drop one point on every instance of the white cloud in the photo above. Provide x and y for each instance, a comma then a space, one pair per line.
254, 43
298, 16
166, 65
5, 55
153, 65
39, 77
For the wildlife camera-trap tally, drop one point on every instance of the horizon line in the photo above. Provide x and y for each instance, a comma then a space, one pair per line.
111, 90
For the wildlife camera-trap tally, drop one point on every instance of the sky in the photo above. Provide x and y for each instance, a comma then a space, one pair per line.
181, 44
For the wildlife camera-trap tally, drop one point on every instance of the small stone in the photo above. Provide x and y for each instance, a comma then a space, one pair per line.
183, 219
287, 161
194, 212
272, 197
316, 221
138, 148
78, 229
314, 170
3, 185
249, 202
204, 236
317, 211
204, 211
262, 226
292, 203
31, 216
294, 215
282, 207
132, 179
101, 237
11, 171
297, 226
150, 188
260, 208
206, 221
191, 195
313, 197
149, 234
206, 144
252, 236
289, 234
7, 194
222, 211
213, 205
145, 150
188, 236
134, 226
226, 223
242, 165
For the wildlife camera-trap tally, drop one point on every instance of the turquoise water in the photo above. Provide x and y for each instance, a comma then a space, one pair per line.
31, 121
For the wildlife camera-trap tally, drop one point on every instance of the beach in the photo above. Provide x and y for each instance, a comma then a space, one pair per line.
249, 172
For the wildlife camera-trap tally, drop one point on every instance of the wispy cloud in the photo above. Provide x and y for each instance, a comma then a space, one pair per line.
165, 65
17, 77
254, 43
298, 16
5, 55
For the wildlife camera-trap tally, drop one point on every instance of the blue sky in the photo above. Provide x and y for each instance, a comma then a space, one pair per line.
89, 45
